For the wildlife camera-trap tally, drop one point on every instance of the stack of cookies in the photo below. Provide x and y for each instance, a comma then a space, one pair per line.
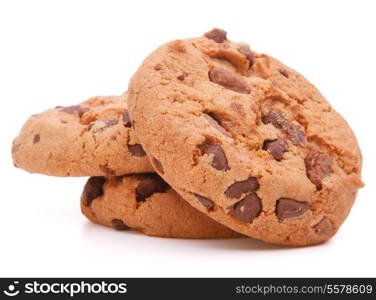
212, 140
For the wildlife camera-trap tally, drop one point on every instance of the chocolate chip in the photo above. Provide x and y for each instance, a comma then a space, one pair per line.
182, 76
228, 80
119, 224
217, 35
58, 106
100, 125
136, 150
63, 121
157, 165
36, 139
219, 161
284, 73
149, 186
275, 147
245, 50
289, 208
276, 119
246, 209
324, 227
294, 133
15, 148
106, 170
71, 109
158, 67
318, 166
209, 204
93, 189
126, 119
215, 121
238, 188
75, 109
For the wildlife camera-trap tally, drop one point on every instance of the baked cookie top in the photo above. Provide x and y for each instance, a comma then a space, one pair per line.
93, 138
146, 203
245, 139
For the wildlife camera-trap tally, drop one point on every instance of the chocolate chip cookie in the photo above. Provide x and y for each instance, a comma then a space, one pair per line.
94, 138
245, 139
146, 203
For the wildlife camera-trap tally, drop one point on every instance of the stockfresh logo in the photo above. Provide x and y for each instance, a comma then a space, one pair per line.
12, 289
71, 288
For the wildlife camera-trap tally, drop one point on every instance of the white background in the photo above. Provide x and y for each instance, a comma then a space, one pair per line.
62, 52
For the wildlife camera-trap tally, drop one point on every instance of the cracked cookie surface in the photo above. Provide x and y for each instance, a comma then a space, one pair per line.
146, 203
245, 139
94, 138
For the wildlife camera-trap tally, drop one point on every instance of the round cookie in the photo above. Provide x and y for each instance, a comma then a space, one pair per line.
245, 139
93, 138
146, 203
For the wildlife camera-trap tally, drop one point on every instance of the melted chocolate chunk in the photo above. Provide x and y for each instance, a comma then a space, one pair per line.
92, 190
324, 227
246, 209
119, 224
136, 150
219, 161
75, 109
216, 122
217, 35
290, 208
240, 187
245, 50
206, 202
318, 166
149, 186
294, 133
36, 139
275, 147
274, 118
228, 80
100, 125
